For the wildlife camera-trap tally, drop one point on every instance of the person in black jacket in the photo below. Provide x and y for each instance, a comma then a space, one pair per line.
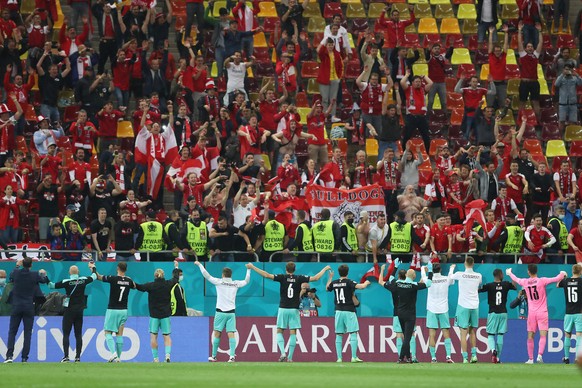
178, 296
153, 73
160, 306
74, 304
22, 297
110, 31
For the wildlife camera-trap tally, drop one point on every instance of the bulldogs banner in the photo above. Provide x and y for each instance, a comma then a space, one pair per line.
370, 198
257, 342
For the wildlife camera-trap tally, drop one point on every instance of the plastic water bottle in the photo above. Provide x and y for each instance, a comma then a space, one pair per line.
523, 309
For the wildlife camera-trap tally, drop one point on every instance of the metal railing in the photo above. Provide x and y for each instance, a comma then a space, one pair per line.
44, 253
380, 256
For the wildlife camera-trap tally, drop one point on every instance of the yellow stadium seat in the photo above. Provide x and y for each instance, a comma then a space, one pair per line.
312, 11
267, 9
27, 6
436, 2
260, 40
461, 56
355, 10
513, 86
250, 73
420, 69
124, 129
510, 11
428, 26
214, 70
350, 1
312, 86
544, 90
541, 72
507, 119
267, 162
484, 75
351, 41
555, 148
573, 132
423, 11
371, 147
403, 9
442, 11
559, 28
507, 2
303, 112
469, 27
467, 11
316, 24
436, 105
511, 58
217, 6
376, 10
450, 26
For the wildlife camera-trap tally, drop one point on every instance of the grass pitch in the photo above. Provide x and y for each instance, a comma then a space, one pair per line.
296, 375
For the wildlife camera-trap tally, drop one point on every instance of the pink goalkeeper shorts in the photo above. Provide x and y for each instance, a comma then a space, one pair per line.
537, 321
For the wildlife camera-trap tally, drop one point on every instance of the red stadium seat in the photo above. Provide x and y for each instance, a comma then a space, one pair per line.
430, 40
548, 115
457, 116
512, 71
530, 132
551, 131
455, 101
481, 57
455, 131
301, 100
438, 116
455, 40
411, 40
309, 69
468, 69
269, 24
435, 146
359, 25
352, 69
576, 148
564, 41
331, 9
64, 143
473, 43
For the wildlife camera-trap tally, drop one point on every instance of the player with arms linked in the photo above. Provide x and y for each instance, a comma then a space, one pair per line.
288, 316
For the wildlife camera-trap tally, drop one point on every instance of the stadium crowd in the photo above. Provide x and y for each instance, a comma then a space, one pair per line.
196, 127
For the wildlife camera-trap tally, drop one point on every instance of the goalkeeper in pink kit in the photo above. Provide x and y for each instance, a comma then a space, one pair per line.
537, 318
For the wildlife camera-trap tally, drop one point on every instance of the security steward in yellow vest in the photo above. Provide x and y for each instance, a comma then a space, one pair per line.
558, 228
349, 238
303, 241
275, 237
326, 235
70, 210
195, 238
178, 295
510, 240
401, 236
152, 238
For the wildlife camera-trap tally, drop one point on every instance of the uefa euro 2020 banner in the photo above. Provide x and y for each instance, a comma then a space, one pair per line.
370, 198
256, 341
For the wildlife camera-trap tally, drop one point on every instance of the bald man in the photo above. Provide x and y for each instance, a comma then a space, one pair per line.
75, 303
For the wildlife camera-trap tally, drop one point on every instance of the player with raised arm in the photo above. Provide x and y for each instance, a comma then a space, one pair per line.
116, 314
573, 320
288, 316
537, 317
406, 292
346, 320
160, 309
226, 290
497, 292
437, 311
467, 317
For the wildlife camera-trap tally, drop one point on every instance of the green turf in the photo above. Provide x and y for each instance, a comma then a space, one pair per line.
243, 374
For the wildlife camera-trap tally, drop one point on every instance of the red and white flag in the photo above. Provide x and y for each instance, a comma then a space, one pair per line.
209, 159
474, 212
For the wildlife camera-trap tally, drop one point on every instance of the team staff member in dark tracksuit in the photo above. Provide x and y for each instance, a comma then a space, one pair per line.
406, 291
22, 296
74, 305
160, 306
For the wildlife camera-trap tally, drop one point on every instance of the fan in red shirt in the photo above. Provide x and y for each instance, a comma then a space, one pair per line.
338, 170
517, 186
50, 164
79, 171
394, 27
288, 172
362, 175
317, 149
286, 74
83, 133
493, 229
68, 36
422, 231
107, 118
10, 215
252, 137
575, 241
23, 169
121, 74
18, 88
7, 25
151, 115
445, 162
538, 238
8, 175
269, 107
472, 97
529, 55
441, 237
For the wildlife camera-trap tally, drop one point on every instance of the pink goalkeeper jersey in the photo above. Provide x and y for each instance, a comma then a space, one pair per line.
535, 289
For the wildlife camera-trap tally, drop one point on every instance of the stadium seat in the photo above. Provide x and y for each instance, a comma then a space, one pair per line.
512, 71
423, 10
301, 100
484, 74
444, 11
66, 98
27, 7
269, 24
450, 26
551, 131
411, 41
509, 11
481, 57
316, 24
417, 142
375, 10
455, 40
420, 69
513, 86
303, 112
533, 146
355, 10
455, 101
371, 147
331, 9
507, 2
312, 86
565, 41
530, 132
467, 69
438, 116
437, 103
125, 129
461, 56
544, 90
309, 69
20, 142
430, 40
511, 58
435, 145
437, 2
427, 26
360, 25
467, 11
267, 9
507, 119
312, 11
457, 116
30, 114
555, 148
576, 148
260, 40
469, 27
573, 133
548, 115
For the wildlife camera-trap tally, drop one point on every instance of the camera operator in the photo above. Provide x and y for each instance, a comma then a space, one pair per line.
309, 302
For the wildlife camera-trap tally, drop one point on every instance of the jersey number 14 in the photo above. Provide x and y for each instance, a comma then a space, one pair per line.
339, 296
